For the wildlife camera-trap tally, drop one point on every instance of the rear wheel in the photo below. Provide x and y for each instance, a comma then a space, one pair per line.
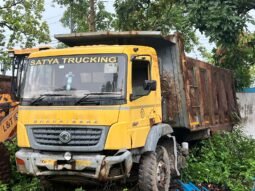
154, 171
5, 165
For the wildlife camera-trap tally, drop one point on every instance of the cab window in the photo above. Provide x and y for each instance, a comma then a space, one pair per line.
140, 73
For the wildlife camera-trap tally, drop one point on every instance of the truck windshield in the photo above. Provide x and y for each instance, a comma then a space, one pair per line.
75, 76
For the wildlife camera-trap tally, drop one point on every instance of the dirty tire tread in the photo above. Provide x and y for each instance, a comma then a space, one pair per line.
5, 165
171, 157
148, 170
162, 150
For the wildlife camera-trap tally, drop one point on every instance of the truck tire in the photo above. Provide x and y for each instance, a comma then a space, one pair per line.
5, 165
170, 150
154, 171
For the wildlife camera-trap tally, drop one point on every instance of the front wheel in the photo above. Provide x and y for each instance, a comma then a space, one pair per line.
154, 171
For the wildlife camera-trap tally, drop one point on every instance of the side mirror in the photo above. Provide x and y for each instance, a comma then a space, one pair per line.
150, 85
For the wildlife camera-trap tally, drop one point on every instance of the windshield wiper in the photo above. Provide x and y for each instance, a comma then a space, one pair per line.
83, 99
42, 96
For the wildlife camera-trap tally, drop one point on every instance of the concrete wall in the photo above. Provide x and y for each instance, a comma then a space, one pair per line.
246, 103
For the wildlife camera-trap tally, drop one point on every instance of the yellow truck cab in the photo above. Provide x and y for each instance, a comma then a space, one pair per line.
97, 111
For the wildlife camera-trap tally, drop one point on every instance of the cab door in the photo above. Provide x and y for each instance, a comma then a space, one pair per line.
142, 99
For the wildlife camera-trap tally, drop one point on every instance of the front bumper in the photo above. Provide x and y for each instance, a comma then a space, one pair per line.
99, 167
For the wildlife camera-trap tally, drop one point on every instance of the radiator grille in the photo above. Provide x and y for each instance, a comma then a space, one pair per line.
50, 136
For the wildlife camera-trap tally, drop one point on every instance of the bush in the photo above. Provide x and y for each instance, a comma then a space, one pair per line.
18, 182
226, 159
3, 187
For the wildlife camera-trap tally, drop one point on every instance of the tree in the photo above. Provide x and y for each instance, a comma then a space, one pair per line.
21, 23
104, 19
83, 17
239, 57
221, 20
224, 22
166, 16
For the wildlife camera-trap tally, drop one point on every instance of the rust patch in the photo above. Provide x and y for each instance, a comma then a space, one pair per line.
172, 97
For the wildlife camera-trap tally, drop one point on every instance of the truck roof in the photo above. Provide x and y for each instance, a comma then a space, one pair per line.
103, 49
146, 38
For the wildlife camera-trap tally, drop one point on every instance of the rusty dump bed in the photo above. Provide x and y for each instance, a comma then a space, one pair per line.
196, 95
210, 95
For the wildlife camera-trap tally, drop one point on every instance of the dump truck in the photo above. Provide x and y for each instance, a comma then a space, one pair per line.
118, 106
9, 84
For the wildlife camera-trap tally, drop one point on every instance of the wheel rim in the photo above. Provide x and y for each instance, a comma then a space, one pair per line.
161, 174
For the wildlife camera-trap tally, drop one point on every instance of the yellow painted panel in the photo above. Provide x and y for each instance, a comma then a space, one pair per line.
139, 136
83, 162
48, 161
76, 115
22, 135
99, 49
63, 115
118, 137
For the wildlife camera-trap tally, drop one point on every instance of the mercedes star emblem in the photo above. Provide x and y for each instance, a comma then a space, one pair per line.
65, 137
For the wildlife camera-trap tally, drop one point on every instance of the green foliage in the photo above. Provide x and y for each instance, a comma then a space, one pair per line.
225, 159
5, 62
166, 16
18, 182
3, 187
61, 45
31, 184
104, 19
208, 56
221, 21
80, 15
21, 23
240, 58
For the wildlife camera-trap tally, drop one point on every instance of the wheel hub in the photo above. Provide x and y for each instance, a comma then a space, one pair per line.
161, 174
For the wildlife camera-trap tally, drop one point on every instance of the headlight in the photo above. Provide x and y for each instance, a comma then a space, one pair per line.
67, 156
